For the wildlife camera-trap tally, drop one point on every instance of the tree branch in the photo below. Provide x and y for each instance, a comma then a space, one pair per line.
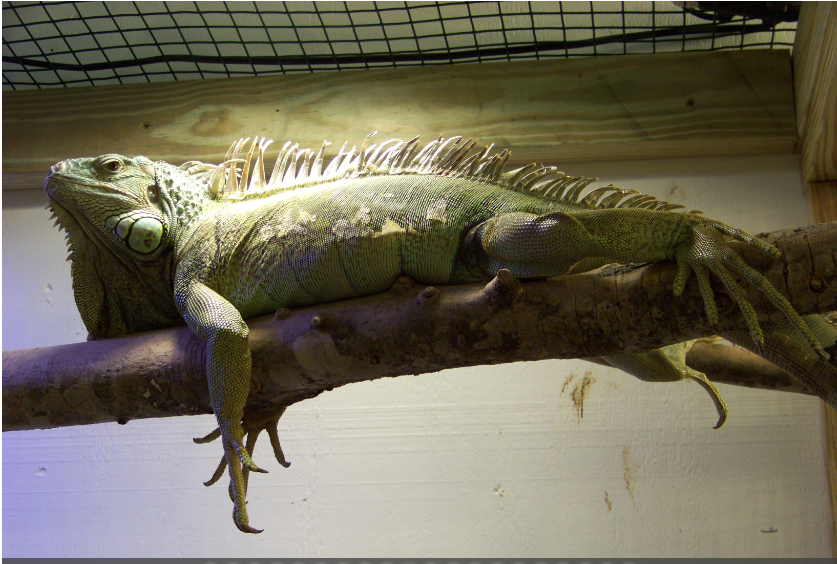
413, 329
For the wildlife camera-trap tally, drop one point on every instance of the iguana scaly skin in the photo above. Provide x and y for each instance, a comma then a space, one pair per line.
154, 245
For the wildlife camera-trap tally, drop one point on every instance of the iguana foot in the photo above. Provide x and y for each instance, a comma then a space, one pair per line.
705, 250
714, 393
244, 455
668, 364
238, 460
253, 423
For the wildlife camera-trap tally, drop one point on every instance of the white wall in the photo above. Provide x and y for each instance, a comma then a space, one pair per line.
491, 461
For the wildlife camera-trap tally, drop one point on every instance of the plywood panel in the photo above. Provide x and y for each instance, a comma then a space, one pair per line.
644, 106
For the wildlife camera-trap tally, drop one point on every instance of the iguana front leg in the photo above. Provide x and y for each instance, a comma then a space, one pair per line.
216, 321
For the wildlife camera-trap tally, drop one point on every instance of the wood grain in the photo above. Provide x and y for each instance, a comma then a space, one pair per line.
822, 201
815, 86
643, 106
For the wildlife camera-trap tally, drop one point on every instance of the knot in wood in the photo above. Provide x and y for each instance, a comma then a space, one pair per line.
428, 294
503, 289
816, 283
324, 320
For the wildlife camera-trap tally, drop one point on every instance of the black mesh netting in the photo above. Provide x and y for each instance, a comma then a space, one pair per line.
52, 44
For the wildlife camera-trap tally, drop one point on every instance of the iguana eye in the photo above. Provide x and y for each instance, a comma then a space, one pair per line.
112, 165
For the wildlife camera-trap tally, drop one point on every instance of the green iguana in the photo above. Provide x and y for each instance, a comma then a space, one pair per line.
154, 245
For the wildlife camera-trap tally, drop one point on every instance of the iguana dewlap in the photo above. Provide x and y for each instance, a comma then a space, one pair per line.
154, 245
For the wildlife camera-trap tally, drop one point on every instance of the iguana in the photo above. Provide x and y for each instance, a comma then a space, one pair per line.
154, 245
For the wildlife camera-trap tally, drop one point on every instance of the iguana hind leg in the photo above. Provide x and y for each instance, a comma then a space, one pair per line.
551, 244
532, 245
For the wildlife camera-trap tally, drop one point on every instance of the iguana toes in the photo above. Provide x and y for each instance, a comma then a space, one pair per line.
154, 245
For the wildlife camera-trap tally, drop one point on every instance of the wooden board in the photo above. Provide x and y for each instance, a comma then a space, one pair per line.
815, 85
643, 106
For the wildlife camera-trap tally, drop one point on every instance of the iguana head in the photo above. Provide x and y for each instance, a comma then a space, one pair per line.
122, 216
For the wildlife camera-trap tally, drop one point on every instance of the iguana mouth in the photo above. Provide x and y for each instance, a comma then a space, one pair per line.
50, 186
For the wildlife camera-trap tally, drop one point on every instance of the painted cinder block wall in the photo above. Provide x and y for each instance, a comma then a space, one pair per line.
490, 461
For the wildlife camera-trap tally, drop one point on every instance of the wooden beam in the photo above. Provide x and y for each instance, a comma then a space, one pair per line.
815, 86
643, 106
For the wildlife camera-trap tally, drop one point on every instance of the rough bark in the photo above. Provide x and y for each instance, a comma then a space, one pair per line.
413, 329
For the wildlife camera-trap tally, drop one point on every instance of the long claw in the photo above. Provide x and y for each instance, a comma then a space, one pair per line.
745, 237
252, 437
255, 468
277, 448
209, 438
668, 364
218, 473
244, 457
720, 404
244, 528
253, 423
237, 459
237, 489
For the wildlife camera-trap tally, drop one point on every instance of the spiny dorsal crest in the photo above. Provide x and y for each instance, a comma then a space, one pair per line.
449, 157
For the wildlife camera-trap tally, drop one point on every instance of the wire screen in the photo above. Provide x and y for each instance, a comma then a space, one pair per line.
61, 44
